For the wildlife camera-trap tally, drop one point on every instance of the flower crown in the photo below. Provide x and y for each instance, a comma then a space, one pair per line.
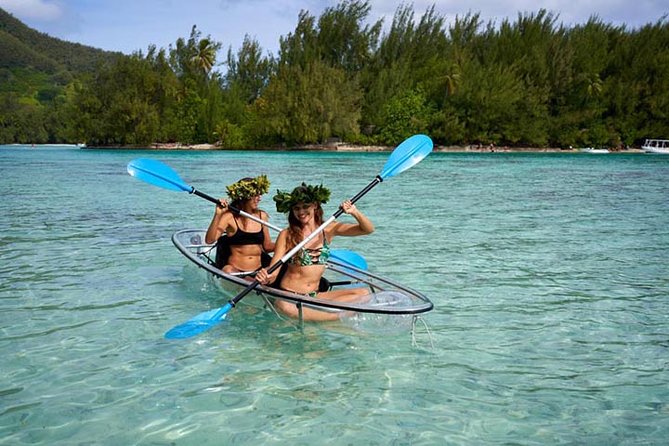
301, 194
248, 188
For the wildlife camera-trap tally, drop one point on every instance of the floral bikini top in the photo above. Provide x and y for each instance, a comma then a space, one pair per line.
308, 257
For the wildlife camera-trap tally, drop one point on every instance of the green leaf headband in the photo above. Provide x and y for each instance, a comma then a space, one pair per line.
248, 188
301, 194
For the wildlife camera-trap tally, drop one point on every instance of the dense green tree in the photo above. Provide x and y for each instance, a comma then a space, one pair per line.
316, 92
20, 122
247, 77
165, 94
409, 56
406, 114
311, 104
645, 72
343, 39
199, 99
120, 105
248, 70
300, 46
527, 81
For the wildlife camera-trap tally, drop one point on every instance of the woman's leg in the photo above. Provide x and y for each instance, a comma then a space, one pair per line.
311, 314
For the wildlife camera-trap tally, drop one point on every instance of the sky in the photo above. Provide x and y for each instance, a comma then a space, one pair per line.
132, 25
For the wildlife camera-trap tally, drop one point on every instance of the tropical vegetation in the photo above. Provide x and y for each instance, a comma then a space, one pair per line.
528, 82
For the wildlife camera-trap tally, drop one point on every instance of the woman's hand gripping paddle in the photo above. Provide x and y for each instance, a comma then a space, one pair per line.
405, 156
159, 174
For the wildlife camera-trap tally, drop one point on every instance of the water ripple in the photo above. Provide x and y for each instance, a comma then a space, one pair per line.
547, 274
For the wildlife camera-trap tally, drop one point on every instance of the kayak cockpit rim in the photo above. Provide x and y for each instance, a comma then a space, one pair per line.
190, 242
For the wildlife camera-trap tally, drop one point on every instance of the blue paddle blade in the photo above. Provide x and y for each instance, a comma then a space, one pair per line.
349, 258
198, 324
189, 329
406, 155
157, 173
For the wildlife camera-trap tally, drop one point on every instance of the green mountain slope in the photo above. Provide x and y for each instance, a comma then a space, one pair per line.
16, 54
23, 47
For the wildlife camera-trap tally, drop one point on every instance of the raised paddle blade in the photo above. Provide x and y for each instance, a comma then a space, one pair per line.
407, 155
198, 324
349, 258
157, 173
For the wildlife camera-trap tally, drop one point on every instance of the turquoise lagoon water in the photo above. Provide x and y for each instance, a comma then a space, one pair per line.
548, 273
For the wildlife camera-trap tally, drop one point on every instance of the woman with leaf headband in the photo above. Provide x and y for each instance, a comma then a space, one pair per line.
247, 240
302, 273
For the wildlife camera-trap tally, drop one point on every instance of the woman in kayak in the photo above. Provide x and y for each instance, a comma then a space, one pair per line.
302, 273
247, 240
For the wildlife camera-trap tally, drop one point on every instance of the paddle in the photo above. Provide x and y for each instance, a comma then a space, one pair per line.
405, 156
349, 258
159, 174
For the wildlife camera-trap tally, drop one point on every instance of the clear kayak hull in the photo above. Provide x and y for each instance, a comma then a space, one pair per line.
384, 295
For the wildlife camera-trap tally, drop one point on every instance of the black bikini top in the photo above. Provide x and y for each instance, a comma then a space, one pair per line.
241, 237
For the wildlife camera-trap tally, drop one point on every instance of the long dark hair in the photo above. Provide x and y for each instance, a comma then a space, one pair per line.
294, 226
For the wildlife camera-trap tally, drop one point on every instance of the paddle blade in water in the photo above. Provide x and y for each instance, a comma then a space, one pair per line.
349, 258
157, 173
407, 155
198, 324
189, 329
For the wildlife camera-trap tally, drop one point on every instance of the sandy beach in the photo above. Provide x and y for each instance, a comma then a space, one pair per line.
343, 147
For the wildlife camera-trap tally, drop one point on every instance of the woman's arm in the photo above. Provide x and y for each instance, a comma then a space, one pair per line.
268, 244
218, 222
363, 227
280, 249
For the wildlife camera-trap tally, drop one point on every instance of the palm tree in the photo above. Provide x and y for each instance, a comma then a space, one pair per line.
205, 57
594, 85
452, 78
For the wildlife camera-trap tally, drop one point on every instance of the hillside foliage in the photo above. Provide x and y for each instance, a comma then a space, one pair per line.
524, 82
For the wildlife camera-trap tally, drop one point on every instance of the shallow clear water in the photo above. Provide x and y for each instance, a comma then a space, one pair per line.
548, 273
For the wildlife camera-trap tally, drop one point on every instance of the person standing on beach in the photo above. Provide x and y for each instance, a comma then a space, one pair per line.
246, 241
303, 272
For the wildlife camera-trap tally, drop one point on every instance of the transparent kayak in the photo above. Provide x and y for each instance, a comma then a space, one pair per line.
384, 297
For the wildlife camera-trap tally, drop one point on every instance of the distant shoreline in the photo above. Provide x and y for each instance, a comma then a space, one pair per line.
341, 147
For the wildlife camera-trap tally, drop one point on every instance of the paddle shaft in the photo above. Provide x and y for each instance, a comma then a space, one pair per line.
232, 302
235, 210
161, 175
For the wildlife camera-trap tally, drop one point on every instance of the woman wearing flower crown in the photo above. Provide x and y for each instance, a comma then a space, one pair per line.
303, 272
246, 240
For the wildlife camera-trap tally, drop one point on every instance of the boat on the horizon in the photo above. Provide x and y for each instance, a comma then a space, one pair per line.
656, 146
51, 146
593, 150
